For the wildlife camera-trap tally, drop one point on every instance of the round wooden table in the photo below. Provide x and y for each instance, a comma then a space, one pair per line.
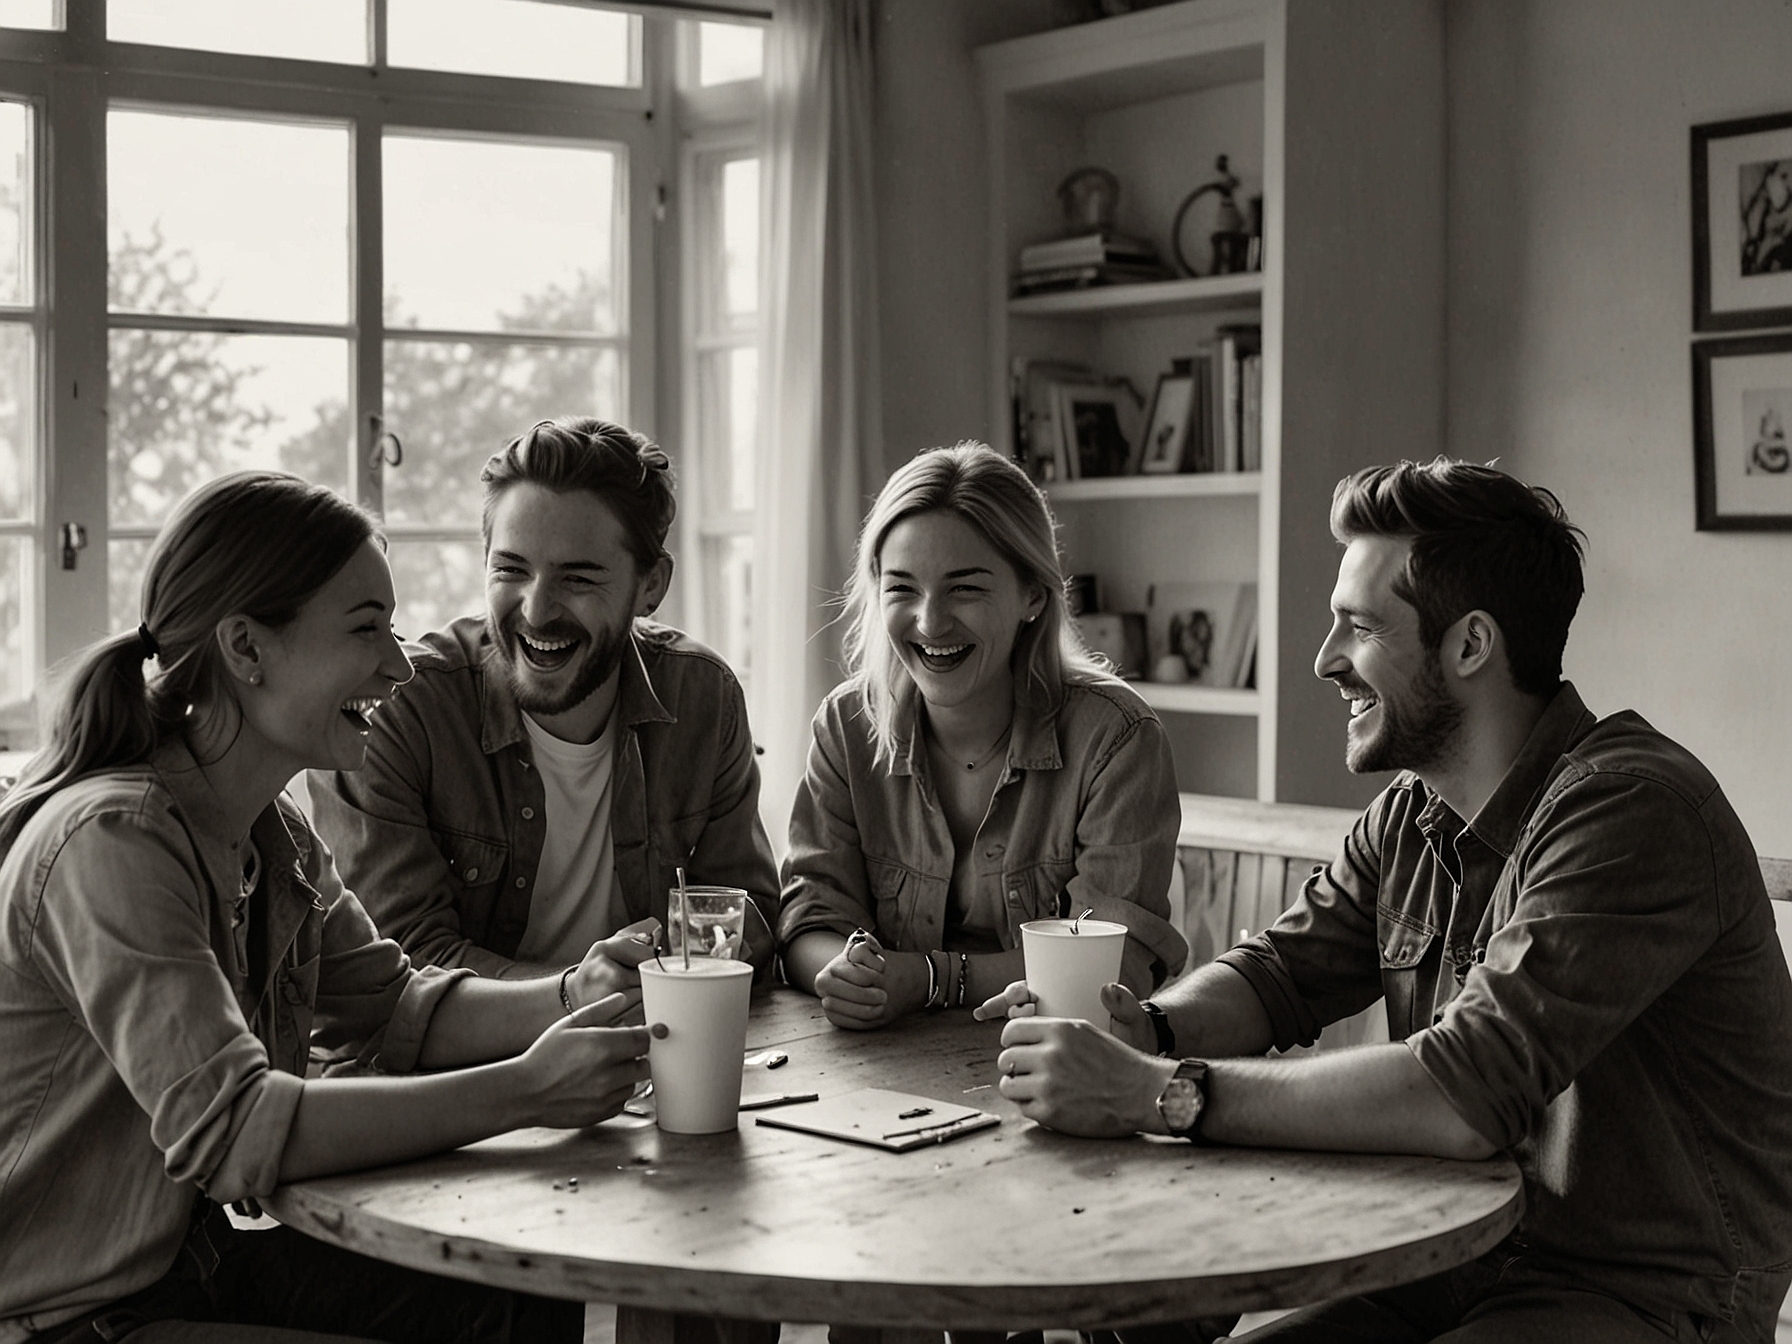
1009, 1228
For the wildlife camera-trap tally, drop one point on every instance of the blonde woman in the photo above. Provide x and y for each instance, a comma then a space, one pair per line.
976, 770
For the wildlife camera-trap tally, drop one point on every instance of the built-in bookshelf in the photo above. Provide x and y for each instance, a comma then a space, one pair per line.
1325, 112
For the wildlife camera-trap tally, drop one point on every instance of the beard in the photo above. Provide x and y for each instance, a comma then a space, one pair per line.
594, 665
1418, 730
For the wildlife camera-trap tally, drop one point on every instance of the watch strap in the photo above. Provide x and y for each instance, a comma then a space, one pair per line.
1160, 1023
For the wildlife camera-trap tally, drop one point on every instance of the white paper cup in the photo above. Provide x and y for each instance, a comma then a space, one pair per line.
696, 1066
1065, 970
718, 917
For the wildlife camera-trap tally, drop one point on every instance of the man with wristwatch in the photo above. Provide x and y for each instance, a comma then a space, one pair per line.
1567, 923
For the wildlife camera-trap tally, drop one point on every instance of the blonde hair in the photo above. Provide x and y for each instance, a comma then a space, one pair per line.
974, 482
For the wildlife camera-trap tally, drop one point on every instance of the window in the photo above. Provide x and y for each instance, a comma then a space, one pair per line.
364, 242
720, 173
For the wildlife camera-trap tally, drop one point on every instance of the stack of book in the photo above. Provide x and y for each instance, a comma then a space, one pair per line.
1225, 431
1100, 258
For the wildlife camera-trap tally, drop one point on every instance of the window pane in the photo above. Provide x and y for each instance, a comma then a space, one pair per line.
316, 30
436, 581
228, 218
15, 619
126, 559
728, 627
484, 236
728, 410
726, 52
31, 14
18, 418
740, 235
17, 284
454, 405
188, 406
522, 38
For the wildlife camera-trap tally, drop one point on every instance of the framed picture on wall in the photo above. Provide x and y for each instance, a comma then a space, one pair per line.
1742, 223
1098, 423
1166, 430
1742, 415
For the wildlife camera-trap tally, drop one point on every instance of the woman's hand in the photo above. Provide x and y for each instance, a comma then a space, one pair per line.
610, 965
582, 1068
865, 987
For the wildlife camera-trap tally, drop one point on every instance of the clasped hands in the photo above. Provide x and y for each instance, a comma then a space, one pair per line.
1070, 1075
864, 986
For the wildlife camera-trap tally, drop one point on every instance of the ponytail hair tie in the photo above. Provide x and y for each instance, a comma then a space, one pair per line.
148, 641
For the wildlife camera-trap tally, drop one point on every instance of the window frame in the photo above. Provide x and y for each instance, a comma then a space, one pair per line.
74, 77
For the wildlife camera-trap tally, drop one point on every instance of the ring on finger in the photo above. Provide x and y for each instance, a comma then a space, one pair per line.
1008, 1069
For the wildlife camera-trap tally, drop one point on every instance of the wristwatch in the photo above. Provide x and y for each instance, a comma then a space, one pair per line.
1160, 1023
1183, 1100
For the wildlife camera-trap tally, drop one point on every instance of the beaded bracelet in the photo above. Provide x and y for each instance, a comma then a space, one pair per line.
964, 974
565, 998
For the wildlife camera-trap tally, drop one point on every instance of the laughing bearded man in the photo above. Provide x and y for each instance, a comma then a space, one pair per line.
537, 785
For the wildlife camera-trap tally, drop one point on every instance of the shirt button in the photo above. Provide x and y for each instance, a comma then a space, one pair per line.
522, 881
528, 814
472, 874
1014, 896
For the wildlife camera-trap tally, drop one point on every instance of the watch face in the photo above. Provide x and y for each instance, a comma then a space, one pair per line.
1180, 1104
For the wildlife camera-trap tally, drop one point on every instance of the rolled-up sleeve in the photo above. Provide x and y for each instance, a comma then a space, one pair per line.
369, 996
1126, 831
121, 936
825, 884
1318, 962
1617, 897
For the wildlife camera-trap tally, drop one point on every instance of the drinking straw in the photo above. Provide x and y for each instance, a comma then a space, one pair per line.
1080, 918
684, 919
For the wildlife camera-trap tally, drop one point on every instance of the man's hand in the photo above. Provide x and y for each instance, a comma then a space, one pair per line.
1130, 1023
1075, 1078
865, 987
582, 1068
610, 965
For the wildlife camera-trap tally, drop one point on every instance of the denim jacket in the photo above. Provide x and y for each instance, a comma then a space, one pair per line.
1085, 816
441, 831
154, 1025
1589, 972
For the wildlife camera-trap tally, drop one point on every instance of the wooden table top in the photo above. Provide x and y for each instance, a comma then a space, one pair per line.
1012, 1227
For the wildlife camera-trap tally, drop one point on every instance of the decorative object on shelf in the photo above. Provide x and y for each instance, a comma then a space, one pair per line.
1742, 416
1091, 251
1039, 443
1172, 410
1088, 198
1096, 422
1229, 238
1742, 223
1118, 636
1206, 631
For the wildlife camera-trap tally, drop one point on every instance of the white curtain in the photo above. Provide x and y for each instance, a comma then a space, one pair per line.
819, 411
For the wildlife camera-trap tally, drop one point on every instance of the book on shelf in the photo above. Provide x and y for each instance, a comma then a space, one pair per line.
1088, 276
1201, 633
1088, 249
1251, 413
1218, 440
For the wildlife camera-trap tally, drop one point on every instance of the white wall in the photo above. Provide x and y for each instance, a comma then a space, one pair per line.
1570, 299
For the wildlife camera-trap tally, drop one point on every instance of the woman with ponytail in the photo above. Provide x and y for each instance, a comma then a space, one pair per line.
173, 937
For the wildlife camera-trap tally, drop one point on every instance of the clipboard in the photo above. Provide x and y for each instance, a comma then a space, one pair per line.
894, 1121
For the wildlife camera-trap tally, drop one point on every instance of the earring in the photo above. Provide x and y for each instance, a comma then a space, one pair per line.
255, 677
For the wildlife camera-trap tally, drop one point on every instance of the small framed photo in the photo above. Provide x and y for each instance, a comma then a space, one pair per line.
1742, 223
1742, 414
1093, 418
1166, 429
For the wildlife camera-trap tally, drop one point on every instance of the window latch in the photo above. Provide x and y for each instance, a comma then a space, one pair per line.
74, 541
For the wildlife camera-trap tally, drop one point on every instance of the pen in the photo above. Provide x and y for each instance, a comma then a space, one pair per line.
942, 1128
784, 1099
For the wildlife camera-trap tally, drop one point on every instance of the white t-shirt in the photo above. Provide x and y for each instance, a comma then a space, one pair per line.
574, 903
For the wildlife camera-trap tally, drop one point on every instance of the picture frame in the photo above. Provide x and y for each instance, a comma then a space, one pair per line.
1742, 416
1742, 223
1094, 428
1166, 429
